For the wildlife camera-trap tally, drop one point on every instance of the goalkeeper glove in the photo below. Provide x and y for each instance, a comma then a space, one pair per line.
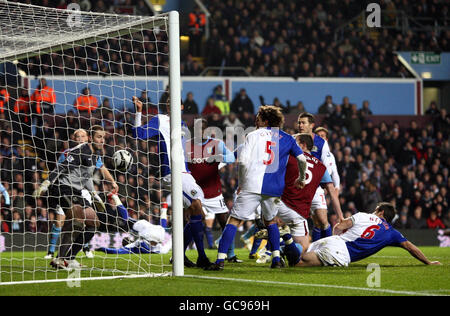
42, 189
99, 205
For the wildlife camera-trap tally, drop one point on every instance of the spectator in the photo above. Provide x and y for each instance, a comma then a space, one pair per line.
371, 197
197, 22
21, 119
432, 110
365, 111
327, 108
211, 108
17, 225
43, 98
416, 221
4, 228
190, 106
86, 102
148, 107
4, 99
242, 103
434, 222
220, 100
232, 121
353, 123
299, 109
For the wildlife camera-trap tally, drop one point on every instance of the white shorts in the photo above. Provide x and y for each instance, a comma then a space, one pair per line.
297, 223
319, 202
191, 190
331, 251
246, 204
214, 206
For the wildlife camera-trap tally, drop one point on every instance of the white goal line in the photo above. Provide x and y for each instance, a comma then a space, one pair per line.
386, 291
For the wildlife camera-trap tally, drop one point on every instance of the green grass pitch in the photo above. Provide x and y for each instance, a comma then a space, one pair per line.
399, 274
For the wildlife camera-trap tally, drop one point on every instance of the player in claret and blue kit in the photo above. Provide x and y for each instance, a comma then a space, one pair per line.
262, 166
321, 151
358, 237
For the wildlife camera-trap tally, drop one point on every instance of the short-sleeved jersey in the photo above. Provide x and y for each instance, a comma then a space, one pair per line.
368, 235
77, 169
300, 200
159, 126
207, 174
263, 159
321, 151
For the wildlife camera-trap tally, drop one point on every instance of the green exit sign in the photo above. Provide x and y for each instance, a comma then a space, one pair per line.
425, 58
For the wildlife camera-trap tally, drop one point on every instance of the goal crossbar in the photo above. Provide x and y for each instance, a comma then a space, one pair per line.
15, 46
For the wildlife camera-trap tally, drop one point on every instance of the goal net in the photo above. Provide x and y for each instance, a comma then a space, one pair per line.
65, 71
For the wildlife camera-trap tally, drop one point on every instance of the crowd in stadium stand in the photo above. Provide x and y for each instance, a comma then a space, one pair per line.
406, 166
266, 38
297, 38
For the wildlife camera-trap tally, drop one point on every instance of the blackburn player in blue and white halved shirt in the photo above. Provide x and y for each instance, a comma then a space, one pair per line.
159, 127
262, 164
356, 238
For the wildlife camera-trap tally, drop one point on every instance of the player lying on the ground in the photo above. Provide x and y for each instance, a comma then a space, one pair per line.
358, 237
150, 237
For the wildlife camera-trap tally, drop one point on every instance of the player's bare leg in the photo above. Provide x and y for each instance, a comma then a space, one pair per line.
320, 220
309, 259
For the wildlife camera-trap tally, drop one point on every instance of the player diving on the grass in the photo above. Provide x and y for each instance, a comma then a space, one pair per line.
357, 237
150, 238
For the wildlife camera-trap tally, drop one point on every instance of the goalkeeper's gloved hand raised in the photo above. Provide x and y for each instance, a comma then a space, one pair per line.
42, 189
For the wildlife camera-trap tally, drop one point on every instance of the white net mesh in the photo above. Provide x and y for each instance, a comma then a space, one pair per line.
73, 70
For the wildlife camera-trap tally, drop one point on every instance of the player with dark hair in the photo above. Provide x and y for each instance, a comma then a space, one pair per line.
262, 166
65, 186
321, 151
206, 156
159, 127
358, 237
295, 205
80, 136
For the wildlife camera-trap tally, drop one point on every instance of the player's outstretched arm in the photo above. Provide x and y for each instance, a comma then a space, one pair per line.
335, 201
107, 175
417, 253
345, 224
300, 182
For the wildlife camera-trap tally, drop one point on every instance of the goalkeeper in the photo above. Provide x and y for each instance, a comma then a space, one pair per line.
151, 238
65, 185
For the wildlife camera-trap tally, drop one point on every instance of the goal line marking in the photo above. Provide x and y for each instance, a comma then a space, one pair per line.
318, 285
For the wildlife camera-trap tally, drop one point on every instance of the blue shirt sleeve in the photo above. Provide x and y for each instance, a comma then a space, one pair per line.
148, 130
326, 178
228, 155
295, 148
397, 238
5, 194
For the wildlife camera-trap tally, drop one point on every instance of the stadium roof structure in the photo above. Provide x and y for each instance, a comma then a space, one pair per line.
29, 30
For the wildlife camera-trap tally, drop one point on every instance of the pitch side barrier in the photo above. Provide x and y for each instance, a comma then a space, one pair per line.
387, 96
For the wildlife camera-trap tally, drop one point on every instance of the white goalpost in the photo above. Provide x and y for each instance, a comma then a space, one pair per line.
66, 70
